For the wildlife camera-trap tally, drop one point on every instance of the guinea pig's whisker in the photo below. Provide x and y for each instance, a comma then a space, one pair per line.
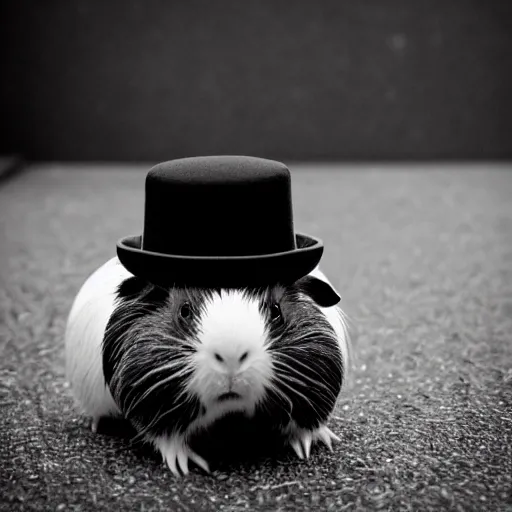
280, 394
317, 369
132, 406
344, 326
165, 367
161, 415
345, 318
184, 371
293, 378
292, 373
282, 382
316, 382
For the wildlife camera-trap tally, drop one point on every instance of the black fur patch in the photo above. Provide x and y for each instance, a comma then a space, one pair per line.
143, 298
308, 362
145, 350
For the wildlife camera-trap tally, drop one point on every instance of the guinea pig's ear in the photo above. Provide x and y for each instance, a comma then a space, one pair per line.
319, 290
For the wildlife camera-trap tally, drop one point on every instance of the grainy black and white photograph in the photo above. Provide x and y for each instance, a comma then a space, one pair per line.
256, 256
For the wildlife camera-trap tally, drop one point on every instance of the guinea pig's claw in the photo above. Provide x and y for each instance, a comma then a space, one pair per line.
297, 448
94, 425
303, 440
176, 455
326, 436
302, 445
183, 462
199, 461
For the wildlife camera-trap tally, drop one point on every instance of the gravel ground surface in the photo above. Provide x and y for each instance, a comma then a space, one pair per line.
423, 258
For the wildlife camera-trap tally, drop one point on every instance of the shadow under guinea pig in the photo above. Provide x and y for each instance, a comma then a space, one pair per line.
233, 441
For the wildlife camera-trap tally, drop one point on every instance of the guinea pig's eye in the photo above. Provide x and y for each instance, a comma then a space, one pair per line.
275, 312
186, 311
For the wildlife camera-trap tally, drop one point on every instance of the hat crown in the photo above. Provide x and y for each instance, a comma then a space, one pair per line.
218, 206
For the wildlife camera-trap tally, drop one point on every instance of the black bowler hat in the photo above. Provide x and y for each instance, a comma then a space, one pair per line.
219, 221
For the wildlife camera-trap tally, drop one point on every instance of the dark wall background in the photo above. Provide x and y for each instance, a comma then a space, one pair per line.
154, 80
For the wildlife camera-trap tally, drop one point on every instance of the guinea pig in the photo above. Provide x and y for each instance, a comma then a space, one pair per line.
174, 360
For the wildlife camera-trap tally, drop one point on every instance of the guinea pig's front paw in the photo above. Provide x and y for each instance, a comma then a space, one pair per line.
176, 454
302, 439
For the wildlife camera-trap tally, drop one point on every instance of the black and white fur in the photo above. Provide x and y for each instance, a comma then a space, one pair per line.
172, 361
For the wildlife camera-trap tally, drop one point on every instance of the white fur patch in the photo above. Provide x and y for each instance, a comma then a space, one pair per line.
85, 328
231, 356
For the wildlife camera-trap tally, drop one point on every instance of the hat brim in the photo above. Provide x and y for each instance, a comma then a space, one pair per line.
220, 271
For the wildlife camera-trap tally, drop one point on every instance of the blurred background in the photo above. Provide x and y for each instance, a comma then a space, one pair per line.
325, 80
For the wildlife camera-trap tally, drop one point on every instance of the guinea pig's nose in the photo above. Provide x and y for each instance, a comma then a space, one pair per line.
231, 362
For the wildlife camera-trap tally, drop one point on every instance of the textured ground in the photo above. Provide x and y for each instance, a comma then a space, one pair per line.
423, 259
